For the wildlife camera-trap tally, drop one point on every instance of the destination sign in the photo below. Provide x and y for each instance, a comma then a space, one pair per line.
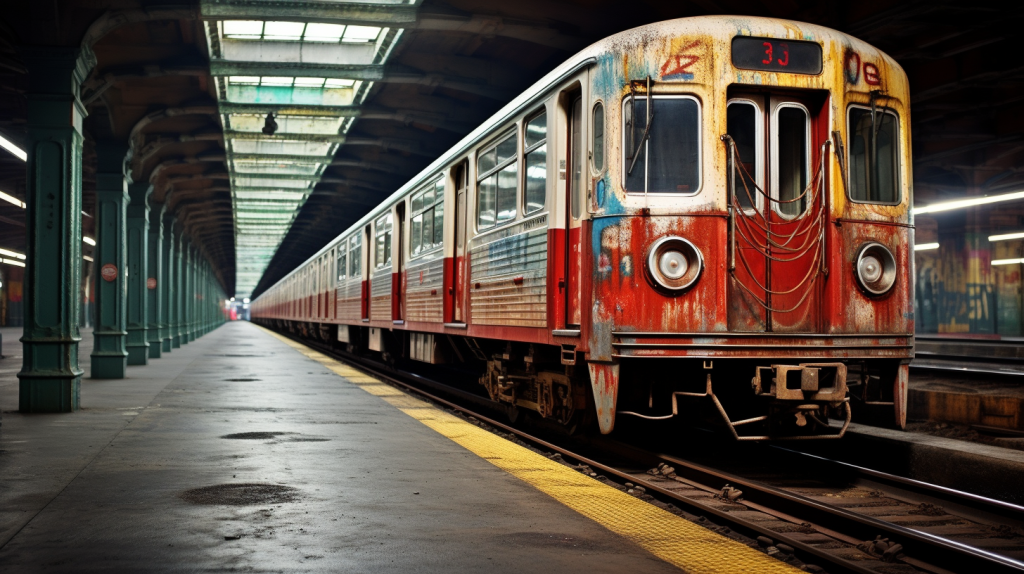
776, 55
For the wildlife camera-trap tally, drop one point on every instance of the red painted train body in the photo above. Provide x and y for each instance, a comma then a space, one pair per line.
710, 214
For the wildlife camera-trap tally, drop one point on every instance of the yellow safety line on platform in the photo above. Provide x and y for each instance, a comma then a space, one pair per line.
669, 537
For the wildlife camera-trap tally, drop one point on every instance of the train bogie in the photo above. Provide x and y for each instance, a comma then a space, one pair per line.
707, 214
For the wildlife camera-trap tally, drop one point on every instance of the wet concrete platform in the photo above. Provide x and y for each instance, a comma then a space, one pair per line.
349, 483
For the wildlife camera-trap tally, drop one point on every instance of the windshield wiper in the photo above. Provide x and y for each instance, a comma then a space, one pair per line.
647, 129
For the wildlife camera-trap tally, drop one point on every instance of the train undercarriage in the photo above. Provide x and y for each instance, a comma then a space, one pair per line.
749, 399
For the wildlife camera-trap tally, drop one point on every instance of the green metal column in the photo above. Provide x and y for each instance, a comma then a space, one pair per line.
180, 284
167, 291
50, 377
109, 359
193, 291
190, 294
155, 280
138, 251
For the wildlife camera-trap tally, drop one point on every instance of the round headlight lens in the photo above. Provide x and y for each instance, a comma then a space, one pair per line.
876, 268
870, 269
674, 264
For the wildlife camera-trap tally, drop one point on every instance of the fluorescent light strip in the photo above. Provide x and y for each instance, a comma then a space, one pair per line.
87, 258
926, 246
15, 150
14, 262
12, 199
1007, 261
971, 202
1006, 237
88, 240
10, 253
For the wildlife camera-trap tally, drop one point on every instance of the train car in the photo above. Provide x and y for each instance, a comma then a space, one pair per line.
706, 218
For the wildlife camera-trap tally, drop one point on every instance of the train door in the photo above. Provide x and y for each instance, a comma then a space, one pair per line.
457, 288
574, 189
398, 277
779, 212
364, 257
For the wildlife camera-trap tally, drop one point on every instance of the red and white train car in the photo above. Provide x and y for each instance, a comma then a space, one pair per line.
706, 217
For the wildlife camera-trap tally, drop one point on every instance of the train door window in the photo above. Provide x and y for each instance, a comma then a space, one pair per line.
874, 163
536, 160
576, 157
744, 125
342, 261
354, 257
382, 229
438, 213
496, 185
791, 162
666, 157
598, 138
428, 218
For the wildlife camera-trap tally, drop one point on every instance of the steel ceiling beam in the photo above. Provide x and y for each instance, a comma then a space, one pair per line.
361, 14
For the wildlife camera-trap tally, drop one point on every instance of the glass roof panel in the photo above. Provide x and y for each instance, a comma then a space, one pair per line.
283, 30
324, 32
279, 90
271, 182
249, 29
285, 147
361, 34
258, 166
242, 194
287, 123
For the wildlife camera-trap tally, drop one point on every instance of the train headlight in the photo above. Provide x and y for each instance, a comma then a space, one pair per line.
876, 268
674, 264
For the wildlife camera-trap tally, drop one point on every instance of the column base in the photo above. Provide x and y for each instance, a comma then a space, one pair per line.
165, 344
50, 394
191, 336
155, 349
176, 342
138, 354
108, 366
184, 338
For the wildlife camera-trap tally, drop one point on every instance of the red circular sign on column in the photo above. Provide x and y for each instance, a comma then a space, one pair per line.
151, 283
108, 272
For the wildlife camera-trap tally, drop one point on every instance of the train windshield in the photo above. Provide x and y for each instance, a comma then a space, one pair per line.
874, 164
669, 159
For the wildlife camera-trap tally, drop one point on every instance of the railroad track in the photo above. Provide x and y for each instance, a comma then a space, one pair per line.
874, 523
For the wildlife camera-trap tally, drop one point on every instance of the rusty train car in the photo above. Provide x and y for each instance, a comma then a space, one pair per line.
705, 218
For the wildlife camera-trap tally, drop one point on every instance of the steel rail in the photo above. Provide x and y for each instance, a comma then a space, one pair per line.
828, 518
960, 498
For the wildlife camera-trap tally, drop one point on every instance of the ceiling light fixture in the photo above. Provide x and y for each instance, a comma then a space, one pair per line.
970, 202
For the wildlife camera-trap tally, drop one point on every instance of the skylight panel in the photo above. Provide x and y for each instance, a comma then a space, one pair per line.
288, 31
287, 124
284, 147
244, 80
243, 29
324, 32
361, 34
282, 195
339, 83
309, 82
276, 81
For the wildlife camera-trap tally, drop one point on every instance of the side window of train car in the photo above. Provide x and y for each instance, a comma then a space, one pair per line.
427, 227
874, 156
536, 160
666, 157
382, 229
342, 260
355, 257
498, 168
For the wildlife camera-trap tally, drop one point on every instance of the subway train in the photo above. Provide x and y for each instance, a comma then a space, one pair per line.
705, 219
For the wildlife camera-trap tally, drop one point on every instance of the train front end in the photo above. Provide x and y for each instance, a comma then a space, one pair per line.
751, 238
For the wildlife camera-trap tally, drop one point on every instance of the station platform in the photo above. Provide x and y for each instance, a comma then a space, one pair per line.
243, 451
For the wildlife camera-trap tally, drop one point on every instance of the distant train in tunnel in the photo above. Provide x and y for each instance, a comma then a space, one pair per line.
705, 218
